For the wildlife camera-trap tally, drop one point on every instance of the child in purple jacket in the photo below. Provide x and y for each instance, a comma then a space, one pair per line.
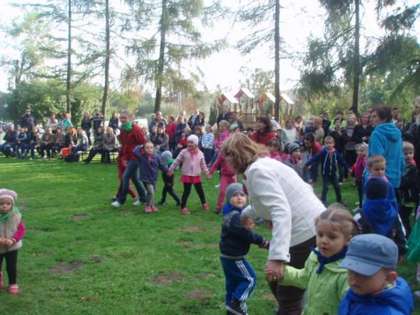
148, 165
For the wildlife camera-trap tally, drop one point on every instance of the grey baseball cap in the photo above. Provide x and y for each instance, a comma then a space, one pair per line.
368, 253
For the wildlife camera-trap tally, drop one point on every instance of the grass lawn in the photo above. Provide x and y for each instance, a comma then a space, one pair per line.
80, 256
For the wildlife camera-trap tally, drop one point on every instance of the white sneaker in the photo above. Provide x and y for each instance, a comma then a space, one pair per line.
217, 186
137, 203
116, 204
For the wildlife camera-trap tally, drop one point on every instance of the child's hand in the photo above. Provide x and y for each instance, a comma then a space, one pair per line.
3, 241
170, 173
209, 176
265, 244
9, 242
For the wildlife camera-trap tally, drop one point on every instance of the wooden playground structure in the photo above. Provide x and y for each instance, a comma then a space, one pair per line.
248, 107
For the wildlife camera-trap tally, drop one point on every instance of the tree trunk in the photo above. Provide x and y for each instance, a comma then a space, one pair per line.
159, 74
277, 61
107, 57
68, 81
356, 61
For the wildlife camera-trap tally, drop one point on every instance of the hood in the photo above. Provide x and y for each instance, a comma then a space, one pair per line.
399, 298
380, 214
389, 131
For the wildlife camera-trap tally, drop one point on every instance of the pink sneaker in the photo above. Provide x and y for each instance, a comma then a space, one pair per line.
1, 280
13, 289
206, 206
185, 211
154, 209
148, 209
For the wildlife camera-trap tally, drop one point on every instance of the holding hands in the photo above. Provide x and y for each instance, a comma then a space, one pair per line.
6, 242
274, 270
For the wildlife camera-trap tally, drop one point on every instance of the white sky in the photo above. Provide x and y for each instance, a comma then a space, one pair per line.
300, 19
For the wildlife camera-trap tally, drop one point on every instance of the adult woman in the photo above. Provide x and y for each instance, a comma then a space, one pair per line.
264, 133
386, 140
279, 195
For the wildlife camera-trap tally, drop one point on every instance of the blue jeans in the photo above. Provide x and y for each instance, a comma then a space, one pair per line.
240, 279
131, 172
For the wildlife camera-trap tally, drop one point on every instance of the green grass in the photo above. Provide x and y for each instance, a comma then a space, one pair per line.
80, 256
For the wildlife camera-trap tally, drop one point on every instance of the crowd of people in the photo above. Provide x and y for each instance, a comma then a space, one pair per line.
345, 262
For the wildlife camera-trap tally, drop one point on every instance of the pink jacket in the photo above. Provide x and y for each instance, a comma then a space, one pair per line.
193, 163
226, 169
359, 167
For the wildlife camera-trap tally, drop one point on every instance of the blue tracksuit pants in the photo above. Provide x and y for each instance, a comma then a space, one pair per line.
240, 279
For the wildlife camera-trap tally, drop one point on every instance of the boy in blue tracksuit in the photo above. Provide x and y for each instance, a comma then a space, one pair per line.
236, 238
375, 288
331, 162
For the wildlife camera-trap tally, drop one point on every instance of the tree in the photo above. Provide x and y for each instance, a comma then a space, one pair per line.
328, 57
69, 53
256, 14
107, 57
177, 38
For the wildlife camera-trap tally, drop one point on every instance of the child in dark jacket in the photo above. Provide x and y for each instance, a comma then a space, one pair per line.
165, 163
409, 191
379, 214
148, 165
375, 288
236, 238
331, 161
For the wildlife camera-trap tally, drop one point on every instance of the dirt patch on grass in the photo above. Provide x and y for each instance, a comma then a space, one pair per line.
80, 217
67, 267
185, 243
205, 275
199, 295
167, 278
96, 259
192, 229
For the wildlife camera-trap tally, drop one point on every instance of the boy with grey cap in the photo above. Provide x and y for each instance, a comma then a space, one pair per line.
375, 288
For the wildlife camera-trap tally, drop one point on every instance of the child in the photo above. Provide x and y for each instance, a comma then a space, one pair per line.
294, 160
148, 167
276, 153
207, 143
330, 160
375, 287
193, 164
376, 166
227, 177
12, 231
358, 169
325, 282
22, 148
408, 189
221, 135
379, 214
166, 161
236, 238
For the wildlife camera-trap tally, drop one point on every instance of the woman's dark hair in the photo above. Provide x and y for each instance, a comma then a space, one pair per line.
384, 113
267, 122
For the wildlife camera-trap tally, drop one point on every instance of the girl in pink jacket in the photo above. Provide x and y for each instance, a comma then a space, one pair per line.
193, 163
227, 177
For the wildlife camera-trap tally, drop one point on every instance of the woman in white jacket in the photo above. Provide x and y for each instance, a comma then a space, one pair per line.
278, 194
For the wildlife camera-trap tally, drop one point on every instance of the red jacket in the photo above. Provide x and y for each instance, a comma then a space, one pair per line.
263, 138
170, 130
225, 168
129, 140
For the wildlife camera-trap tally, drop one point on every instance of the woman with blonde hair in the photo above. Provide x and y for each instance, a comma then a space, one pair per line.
279, 195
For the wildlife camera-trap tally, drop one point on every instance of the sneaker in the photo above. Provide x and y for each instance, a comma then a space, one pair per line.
1, 280
205, 206
148, 209
137, 203
237, 308
13, 289
185, 211
154, 209
116, 204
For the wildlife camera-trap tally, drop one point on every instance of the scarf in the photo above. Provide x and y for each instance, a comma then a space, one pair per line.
127, 127
228, 208
322, 260
4, 217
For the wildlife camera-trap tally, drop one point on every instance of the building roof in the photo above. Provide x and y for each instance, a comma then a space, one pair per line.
244, 91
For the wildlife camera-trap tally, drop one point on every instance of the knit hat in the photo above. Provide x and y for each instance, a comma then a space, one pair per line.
376, 188
193, 139
165, 157
232, 189
292, 147
9, 194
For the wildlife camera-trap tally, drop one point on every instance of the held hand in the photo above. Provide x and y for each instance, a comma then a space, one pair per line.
265, 244
9, 242
274, 270
2, 241
169, 173
209, 176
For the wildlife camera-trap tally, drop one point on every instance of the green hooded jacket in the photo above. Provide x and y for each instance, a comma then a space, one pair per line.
323, 291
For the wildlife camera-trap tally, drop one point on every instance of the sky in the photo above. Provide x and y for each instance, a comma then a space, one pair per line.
300, 20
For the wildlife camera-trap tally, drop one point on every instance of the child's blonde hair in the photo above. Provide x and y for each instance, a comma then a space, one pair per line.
408, 146
340, 219
375, 159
